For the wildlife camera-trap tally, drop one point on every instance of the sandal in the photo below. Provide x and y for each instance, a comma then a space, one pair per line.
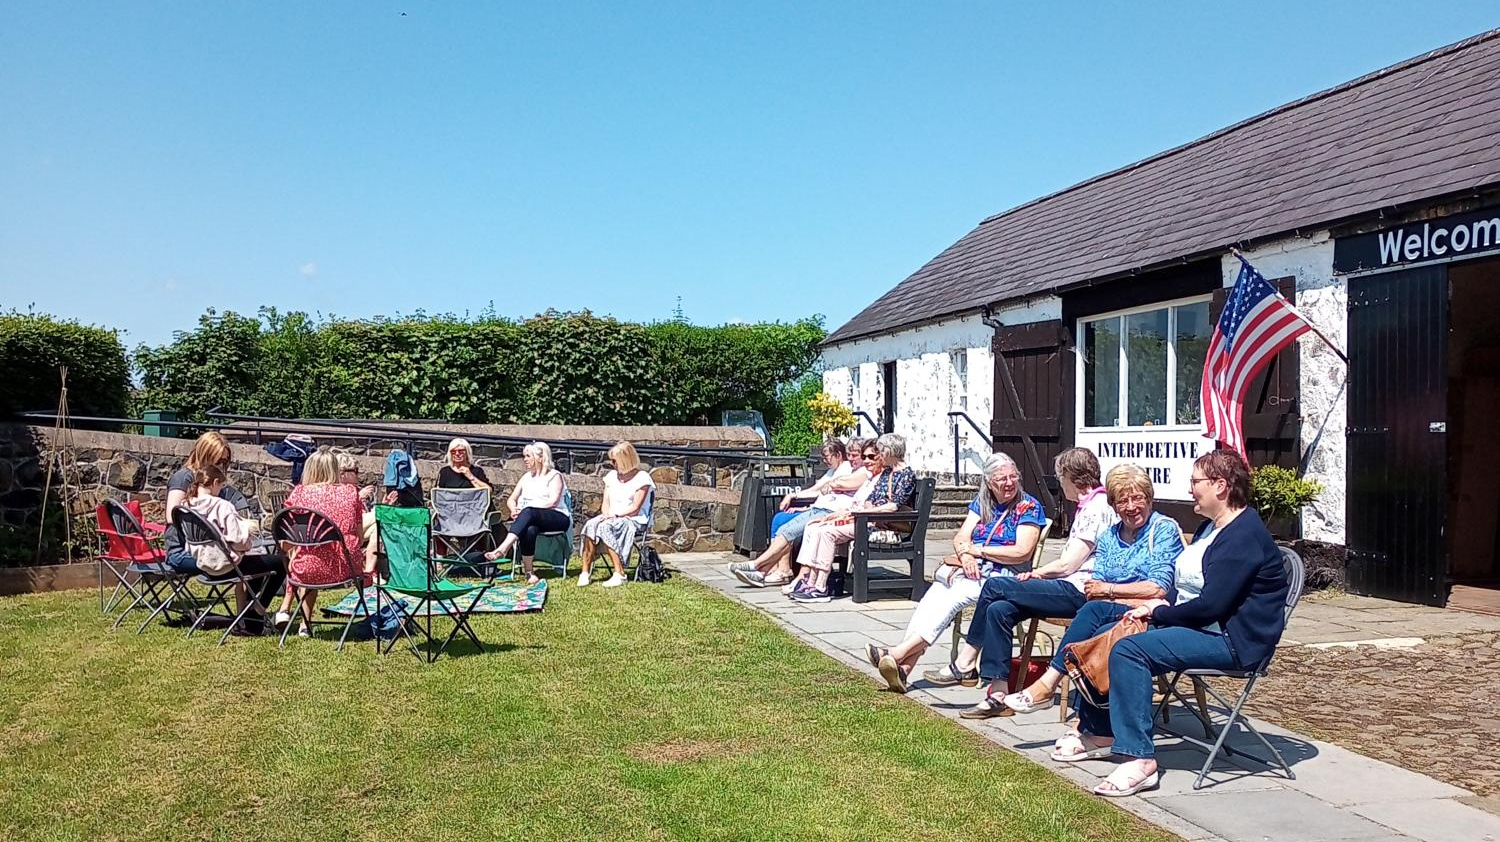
893, 673
950, 675
777, 578
1123, 781
988, 708
1070, 748
1023, 703
874, 653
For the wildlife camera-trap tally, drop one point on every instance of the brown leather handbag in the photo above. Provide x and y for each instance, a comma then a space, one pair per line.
1088, 662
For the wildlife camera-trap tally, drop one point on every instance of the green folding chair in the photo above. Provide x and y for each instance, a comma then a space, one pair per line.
406, 536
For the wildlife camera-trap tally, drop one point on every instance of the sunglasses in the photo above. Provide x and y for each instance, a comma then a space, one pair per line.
871, 454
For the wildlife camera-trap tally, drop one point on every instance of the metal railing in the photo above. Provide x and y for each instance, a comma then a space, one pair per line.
861, 415
954, 416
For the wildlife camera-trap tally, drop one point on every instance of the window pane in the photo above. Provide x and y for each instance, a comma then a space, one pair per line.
1146, 349
1101, 373
1193, 332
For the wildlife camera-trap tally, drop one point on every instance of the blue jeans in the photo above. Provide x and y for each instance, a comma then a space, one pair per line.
1133, 663
789, 526
1004, 602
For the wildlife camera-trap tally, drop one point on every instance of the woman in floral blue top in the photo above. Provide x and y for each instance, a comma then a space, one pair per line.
890, 487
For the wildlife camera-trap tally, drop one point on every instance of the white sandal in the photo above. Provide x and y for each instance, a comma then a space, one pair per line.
1122, 782
1023, 703
1070, 748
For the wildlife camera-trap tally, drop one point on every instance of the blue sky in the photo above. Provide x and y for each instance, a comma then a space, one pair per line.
760, 160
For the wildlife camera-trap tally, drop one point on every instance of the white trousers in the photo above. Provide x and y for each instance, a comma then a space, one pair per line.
941, 605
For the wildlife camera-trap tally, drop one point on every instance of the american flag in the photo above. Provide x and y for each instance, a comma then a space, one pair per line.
1256, 323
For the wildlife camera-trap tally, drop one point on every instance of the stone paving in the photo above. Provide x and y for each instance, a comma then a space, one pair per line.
1337, 796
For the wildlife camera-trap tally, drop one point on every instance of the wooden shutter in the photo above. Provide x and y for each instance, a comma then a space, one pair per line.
1031, 384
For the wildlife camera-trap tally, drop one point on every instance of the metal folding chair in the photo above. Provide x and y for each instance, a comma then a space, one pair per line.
152, 584
196, 531
303, 528
121, 546
642, 535
1219, 734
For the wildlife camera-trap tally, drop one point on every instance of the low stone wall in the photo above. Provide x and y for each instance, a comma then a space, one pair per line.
132, 467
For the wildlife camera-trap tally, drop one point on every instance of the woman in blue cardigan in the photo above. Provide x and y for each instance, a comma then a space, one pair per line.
1228, 614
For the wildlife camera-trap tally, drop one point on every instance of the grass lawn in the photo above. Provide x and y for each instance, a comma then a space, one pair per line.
649, 712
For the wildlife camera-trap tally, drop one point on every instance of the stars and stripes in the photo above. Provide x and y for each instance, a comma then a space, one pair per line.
1256, 323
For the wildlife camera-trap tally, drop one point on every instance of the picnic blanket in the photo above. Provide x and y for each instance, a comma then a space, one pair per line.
503, 598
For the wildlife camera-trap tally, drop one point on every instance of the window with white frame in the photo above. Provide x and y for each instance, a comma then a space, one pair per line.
1143, 367
960, 383
853, 387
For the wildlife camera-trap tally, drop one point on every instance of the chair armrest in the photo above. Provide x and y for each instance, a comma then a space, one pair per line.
885, 517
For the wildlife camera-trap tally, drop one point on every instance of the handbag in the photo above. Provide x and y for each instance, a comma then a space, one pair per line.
1087, 662
952, 560
1034, 669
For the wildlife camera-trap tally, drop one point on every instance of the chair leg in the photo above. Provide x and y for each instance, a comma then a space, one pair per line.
1067, 698
1198, 692
213, 599
359, 608
1028, 643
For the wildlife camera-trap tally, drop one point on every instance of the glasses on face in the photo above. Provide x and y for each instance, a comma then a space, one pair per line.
1004, 479
1131, 500
1192, 483
871, 454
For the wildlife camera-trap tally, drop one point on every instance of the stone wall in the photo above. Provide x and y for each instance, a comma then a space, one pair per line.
131, 467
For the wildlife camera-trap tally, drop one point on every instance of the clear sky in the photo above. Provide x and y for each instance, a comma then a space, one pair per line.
762, 160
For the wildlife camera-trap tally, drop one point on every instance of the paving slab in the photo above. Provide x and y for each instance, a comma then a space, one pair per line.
1434, 820
1344, 778
1273, 814
821, 622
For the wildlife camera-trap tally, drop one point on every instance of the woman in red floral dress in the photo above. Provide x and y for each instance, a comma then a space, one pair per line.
321, 490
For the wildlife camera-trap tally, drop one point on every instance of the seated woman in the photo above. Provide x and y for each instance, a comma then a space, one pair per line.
339, 501
998, 536
834, 492
461, 472
1228, 614
536, 505
891, 490
203, 498
1132, 560
209, 450
621, 514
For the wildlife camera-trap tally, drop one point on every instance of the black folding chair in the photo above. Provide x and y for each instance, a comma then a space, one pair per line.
198, 532
302, 528
152, 583
1219, 735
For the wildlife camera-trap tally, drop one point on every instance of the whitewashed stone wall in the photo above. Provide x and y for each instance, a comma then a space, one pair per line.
1323, 298
930, 381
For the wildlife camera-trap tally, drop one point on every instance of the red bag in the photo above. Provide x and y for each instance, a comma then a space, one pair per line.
1034, 672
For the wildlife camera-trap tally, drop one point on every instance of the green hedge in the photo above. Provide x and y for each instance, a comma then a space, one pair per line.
33, 346
564, 368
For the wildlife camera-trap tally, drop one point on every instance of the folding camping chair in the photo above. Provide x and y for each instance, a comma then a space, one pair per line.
196, 531
304, 528
562, 536
461, 519
142, 569
405, 533
1294, 577
642, 535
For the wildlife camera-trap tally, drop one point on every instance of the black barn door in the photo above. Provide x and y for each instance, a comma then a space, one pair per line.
1397, 502
1031, 382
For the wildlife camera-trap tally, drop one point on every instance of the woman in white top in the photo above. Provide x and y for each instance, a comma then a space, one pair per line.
622, 514
536, 505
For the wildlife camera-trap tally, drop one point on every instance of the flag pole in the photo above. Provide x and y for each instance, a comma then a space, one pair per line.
1310, 326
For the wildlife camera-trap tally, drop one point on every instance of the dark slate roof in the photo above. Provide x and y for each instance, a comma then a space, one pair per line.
1418, 130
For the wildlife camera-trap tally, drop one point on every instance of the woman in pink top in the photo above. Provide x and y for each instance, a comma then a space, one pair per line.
321, 491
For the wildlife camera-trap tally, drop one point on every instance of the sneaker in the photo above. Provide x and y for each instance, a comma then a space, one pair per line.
752, 577
304, 632
1023, 703
282, 618
949, 676
583, 579
615, 581
735, 566
811, 595
792, 587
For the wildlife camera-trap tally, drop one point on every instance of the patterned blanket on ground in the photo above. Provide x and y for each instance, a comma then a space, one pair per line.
503, 598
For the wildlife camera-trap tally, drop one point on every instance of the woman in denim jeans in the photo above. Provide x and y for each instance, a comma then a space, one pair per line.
1228, 614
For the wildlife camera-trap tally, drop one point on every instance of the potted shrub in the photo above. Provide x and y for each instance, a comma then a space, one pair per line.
1278, 494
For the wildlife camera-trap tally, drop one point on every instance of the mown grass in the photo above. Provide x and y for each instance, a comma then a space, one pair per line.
651, 712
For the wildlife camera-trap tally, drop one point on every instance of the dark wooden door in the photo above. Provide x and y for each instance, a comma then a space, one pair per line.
1273, 416
1031, 383
1397, 503
888, 380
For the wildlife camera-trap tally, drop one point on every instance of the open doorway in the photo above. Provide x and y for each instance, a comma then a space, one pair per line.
1473, 455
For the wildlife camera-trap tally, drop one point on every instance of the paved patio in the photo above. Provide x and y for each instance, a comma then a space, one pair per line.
1338, 795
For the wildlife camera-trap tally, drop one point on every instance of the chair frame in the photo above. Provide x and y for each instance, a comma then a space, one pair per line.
118, 565
157, 586
303, 527
565, 534
197, 531
459, 616
468, 542
860, 551
637, 546
1219, 734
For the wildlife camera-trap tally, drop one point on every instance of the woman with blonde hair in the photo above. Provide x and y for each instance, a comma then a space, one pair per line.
622, 514
536, 505
460, 470
322, 492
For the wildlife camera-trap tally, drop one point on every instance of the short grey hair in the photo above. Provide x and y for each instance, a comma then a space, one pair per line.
994, 464
892, 446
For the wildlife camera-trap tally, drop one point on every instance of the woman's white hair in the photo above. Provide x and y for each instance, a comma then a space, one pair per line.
993, 464
892, 446
454, 445
540, 450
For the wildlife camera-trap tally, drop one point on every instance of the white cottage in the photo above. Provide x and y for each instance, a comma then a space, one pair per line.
1082, 318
